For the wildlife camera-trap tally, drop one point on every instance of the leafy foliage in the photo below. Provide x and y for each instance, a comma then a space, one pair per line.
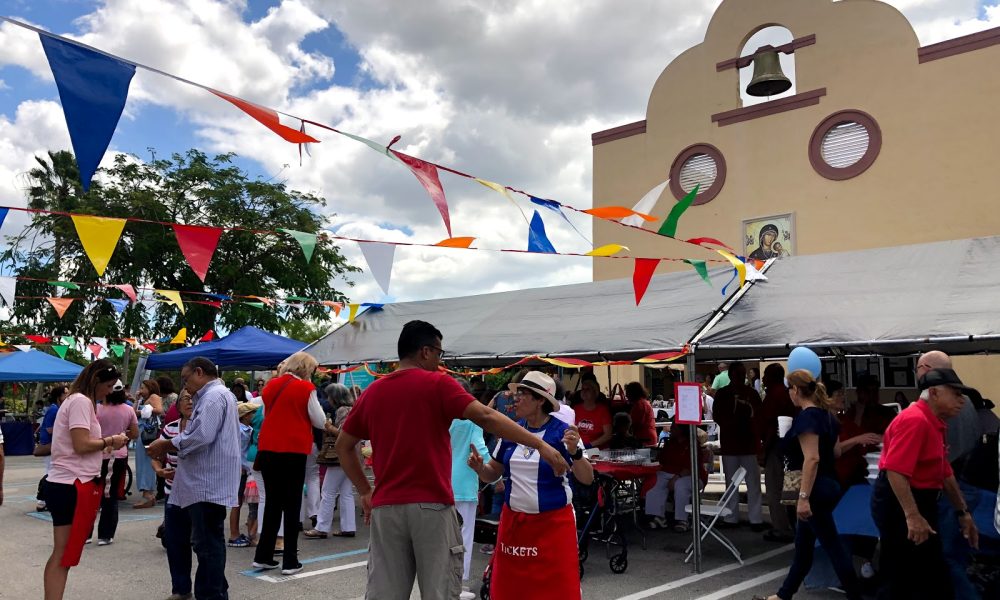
188, 188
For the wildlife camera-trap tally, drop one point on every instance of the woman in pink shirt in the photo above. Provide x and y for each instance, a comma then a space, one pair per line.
115, 417
71, 491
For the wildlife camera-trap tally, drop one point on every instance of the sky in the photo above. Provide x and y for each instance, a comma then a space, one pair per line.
508, 90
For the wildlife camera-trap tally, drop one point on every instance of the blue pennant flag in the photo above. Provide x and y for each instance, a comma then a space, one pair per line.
373, 306
3, 215
93, 88
537, 240
119, 305
557, 208
221, 297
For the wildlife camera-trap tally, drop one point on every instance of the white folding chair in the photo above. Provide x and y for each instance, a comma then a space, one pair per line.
714, 512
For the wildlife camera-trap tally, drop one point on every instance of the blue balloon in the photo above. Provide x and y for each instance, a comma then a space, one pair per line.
804, 358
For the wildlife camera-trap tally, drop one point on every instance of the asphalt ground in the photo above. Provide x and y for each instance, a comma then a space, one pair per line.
134, 567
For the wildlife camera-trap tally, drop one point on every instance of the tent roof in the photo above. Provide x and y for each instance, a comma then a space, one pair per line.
35, 365
588, 321
245, 348
898, 300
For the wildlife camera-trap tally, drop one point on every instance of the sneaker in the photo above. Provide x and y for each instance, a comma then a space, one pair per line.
486, 549
266, 565
106, 542
88, 541
467, 595
867, 570
292, 570
241, 541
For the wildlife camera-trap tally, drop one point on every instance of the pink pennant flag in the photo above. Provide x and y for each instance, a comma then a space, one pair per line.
128, 289
60, 305
96, 350
641, 275
427, 175
198, 245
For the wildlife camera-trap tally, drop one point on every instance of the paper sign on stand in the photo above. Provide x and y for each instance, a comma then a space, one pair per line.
688, 396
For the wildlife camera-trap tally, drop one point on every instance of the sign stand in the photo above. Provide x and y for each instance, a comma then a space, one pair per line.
688, 401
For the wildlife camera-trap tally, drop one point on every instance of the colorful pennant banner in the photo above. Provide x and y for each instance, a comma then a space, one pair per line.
99, 236
198, 245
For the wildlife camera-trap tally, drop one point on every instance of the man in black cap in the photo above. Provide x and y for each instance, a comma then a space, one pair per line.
913, 471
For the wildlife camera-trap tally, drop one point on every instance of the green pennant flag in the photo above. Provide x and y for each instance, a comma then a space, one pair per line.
254, 304
699, 265
60, 350
669, 227
69, 341
69, 285
298, 298
117, 349
306, 240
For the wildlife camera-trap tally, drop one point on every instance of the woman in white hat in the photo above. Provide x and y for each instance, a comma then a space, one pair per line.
536, 550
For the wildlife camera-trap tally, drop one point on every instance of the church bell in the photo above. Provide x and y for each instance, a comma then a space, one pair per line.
768, 78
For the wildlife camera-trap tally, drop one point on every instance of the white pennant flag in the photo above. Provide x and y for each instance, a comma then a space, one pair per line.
7, 285
645, 206
101, 341
379, 257
753, 274
23, 347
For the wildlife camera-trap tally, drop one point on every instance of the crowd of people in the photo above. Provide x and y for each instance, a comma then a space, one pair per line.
294, 454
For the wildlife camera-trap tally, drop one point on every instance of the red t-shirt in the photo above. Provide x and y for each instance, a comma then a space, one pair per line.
591, 423
643, 423
406, 415
914, 445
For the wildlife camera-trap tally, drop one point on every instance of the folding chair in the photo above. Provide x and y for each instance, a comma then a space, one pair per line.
714, 512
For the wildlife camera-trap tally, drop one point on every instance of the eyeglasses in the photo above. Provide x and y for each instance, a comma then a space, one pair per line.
439, 349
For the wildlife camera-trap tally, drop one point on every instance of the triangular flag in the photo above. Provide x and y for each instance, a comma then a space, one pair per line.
646, 205
617, 212
3, 215
150, 346
60, 350
69, 341
60, 305
99, 236
496, 187
174, 296
607, 250
211, 303
753, 273
23, 347
198, 245
266, 301
219, 296
456, 242
377, 147
669, 227
302, 130
705, 242
372, 306
181, 336
39, 339
354, 312
93, 88
740, 266
702, 268
306, 240
96, 350
118, 304
336, 306
100, 341
537, 240
254, 304
117, 349
557, 208
641, 274
128, 289
7, 285
69, 285
268, 118
207, 337
379, 257
298, 298
427, 175
134, 342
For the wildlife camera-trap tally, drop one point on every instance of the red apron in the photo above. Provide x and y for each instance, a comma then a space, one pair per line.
536, 556
88, 500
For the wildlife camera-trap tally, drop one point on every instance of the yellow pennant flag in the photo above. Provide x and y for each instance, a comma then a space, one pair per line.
354, 312
496, 187
174, 296
741, 267
181, 336
99, 236
607, 250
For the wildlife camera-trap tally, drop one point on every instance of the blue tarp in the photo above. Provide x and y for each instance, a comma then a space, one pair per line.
247, 348
35, 365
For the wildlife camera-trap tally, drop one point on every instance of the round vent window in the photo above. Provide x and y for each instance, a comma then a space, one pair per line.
700, 165
845, 145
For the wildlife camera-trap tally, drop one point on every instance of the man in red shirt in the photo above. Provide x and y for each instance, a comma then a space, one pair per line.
735, 411
912, 473
415, 530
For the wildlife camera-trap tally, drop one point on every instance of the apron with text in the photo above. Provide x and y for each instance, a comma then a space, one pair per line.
536, 556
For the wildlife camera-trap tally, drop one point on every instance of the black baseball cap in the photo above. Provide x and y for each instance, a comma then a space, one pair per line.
947, 377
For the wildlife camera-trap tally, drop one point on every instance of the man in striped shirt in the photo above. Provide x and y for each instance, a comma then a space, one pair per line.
206, 481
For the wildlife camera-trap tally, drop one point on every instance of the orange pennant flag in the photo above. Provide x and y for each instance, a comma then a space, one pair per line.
268, 118
456, 242
99, 236
266, 301
60, 304
617, 212
336, 306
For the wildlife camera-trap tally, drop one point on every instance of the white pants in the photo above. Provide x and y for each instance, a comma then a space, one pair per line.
258, 479
730, 464
656, 498
310, 504
467, 510
336, 483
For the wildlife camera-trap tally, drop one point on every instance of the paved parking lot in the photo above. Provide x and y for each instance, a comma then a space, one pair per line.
134, 567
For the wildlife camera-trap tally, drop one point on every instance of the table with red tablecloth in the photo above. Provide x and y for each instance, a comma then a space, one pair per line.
646, 473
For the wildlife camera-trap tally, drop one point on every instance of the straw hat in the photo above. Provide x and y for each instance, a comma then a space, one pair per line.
539, 383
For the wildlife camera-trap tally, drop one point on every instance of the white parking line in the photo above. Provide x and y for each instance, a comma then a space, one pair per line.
746, 585
304, 574
673, 585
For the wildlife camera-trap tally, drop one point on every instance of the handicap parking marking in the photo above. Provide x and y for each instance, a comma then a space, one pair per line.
263, 575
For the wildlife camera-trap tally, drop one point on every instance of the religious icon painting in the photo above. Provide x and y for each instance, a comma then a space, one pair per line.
769, 237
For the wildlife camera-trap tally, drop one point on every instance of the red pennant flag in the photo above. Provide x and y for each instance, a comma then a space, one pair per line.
208, 337
128, 289
268, 118
644, 269
95, 349
702, 241
39, 339
427, 175
198, 245
150, 346
60, 305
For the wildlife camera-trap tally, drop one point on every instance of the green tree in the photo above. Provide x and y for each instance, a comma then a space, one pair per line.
306, 331
189, 188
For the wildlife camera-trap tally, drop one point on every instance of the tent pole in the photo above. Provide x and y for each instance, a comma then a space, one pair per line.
125, 366
695, 480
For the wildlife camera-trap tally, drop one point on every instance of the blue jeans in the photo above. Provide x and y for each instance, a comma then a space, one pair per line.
198, 527
822, 501
957, 553
145, 476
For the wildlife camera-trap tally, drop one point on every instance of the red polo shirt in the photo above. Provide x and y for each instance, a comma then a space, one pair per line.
914, 445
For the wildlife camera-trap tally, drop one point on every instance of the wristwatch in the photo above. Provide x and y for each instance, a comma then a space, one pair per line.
803, 496
578, 454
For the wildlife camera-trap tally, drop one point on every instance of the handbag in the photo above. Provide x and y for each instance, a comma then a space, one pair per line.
258, 461
328, 453
42, 449
150, 429
791, 485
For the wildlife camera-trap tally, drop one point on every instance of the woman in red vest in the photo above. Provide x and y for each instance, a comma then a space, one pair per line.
291, 410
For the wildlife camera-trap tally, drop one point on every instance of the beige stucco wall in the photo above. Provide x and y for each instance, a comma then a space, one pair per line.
934, 179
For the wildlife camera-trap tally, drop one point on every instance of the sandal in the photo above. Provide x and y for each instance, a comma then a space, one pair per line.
347, 534
315, 534
147, 503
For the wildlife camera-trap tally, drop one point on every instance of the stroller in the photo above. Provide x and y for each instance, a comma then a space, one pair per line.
598, 509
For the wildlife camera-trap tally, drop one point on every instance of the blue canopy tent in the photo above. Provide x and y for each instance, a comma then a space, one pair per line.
247, 348
35, 365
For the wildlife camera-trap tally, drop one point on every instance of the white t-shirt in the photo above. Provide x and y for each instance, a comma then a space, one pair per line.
565, 414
